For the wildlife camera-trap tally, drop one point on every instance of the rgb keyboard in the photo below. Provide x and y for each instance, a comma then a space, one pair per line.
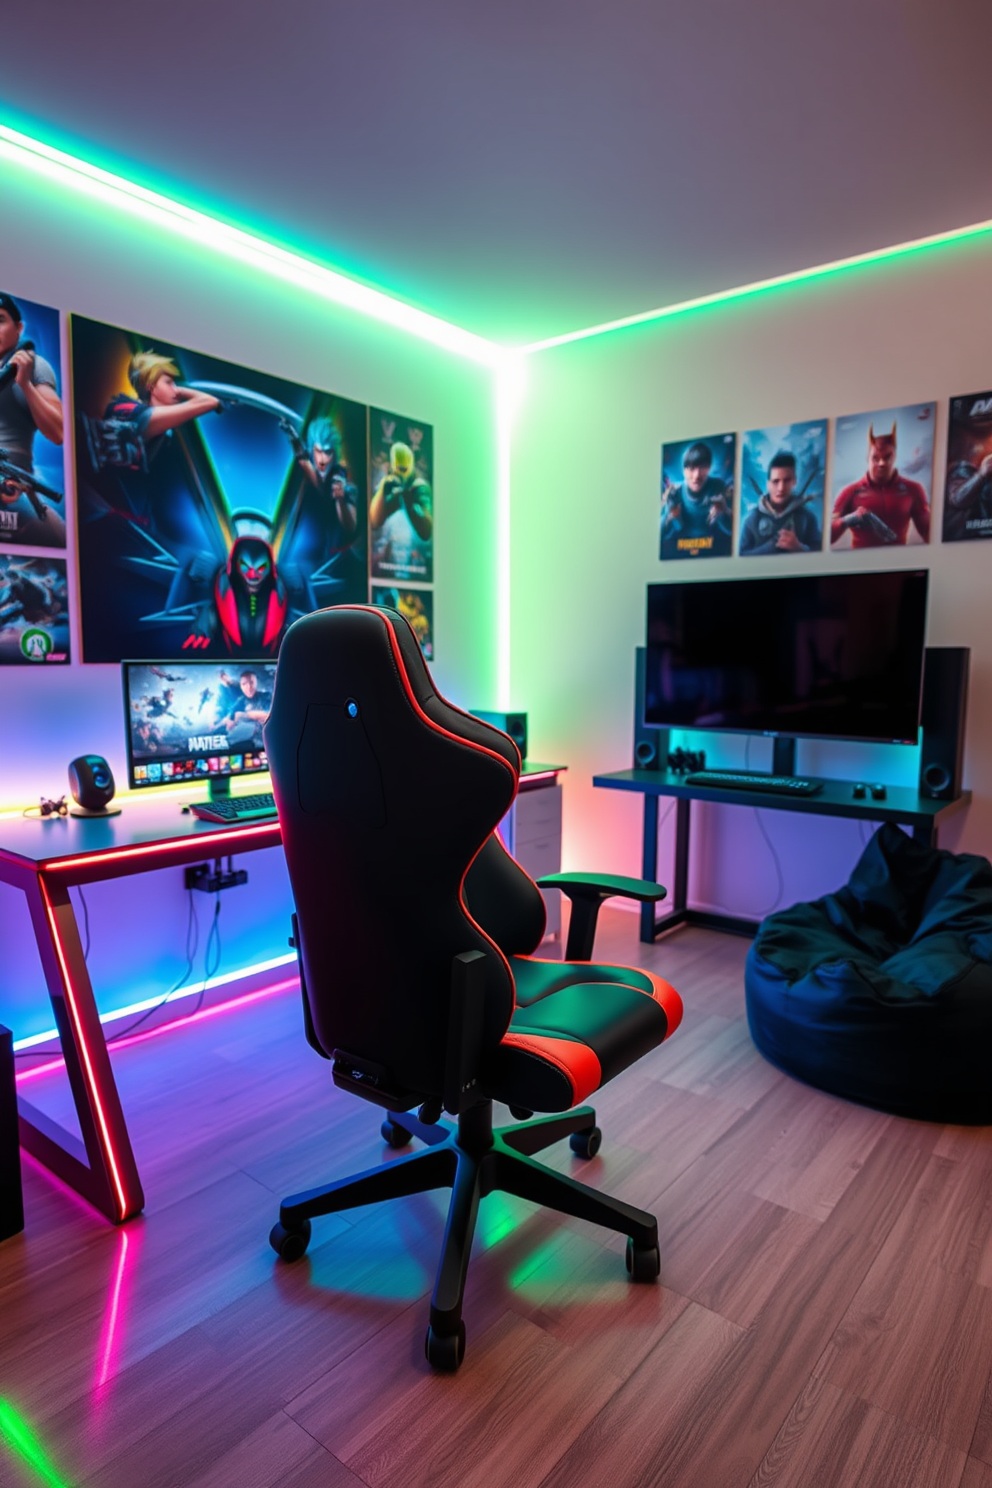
784, 785
236, 808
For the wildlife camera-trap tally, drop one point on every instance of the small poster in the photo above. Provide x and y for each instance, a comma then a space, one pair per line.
782, 486
34, 611
216, 504
415, 605
968, 488
401, 511
697, 497
32, 469
883, 477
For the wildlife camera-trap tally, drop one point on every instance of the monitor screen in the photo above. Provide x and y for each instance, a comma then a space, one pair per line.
837, 656
197, 720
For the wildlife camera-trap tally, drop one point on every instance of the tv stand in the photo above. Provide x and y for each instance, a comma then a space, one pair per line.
902, 804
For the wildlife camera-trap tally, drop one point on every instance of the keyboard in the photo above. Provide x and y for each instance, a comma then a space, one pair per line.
232, 809
784, 785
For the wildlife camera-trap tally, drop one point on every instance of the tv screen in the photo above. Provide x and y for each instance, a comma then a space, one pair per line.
195, 720
836, 656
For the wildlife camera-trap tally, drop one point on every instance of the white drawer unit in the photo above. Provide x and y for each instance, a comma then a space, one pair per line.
531, 830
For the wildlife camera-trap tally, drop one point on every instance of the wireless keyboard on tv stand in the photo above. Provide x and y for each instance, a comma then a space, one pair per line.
754, 780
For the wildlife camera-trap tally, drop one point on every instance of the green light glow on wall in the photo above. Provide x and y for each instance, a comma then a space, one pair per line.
72, 173
16, 1434
766, 286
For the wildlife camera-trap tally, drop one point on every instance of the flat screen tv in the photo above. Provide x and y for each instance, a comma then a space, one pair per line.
833, 656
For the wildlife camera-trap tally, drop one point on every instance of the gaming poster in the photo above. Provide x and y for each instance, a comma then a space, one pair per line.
697, 497
968, 487
415, 605
401, 511
32, 470
782, 486
34, 611
216, 504
883, 478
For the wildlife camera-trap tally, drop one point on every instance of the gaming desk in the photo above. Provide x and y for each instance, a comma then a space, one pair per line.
904, 805
44, 858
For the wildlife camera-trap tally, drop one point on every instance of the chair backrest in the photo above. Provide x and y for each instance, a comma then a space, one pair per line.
386, 795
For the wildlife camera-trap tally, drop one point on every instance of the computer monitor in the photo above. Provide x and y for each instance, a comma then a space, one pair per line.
825, 655
196, 722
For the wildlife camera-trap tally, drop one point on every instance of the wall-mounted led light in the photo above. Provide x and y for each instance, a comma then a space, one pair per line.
74, 174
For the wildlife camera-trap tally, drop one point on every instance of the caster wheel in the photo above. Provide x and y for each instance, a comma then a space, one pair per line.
290, 1245
445, 1351
643, 1262
394, 1135
586, 1143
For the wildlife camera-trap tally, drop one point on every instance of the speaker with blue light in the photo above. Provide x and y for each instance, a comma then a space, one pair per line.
91, 784
514, 724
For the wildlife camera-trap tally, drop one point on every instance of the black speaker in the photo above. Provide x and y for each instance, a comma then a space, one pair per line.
514, 724
650, 744
943, 716
91, 782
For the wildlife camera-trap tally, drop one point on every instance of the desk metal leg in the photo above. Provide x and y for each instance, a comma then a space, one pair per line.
925, 833
11, 1196
103, 1168
649, 863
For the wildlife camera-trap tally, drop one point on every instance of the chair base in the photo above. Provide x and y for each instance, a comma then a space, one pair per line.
473, 1161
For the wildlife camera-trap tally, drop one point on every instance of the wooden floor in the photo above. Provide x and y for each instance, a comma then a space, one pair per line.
824, 1315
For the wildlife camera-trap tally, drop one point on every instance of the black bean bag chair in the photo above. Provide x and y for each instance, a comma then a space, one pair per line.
882, 992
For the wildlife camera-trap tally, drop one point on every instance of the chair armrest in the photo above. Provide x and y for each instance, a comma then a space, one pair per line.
587, 894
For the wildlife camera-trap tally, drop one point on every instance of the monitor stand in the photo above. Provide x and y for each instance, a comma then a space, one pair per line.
220, 787
784, 755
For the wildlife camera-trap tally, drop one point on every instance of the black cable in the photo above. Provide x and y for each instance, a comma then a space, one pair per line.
775, 859
209, 972
192, 943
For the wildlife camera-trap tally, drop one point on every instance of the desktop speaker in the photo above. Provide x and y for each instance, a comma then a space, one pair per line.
650, 744
943, 714
91, 783
514, 724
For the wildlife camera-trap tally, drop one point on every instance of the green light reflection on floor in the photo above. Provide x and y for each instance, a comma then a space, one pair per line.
17, 1435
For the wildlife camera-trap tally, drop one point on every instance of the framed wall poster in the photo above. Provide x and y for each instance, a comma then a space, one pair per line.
216, 504
968, 484
32, 465
697, 497
883, 478
401, 509
783, 471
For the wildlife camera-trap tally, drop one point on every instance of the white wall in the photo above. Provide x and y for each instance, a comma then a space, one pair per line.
586, 461
64, 250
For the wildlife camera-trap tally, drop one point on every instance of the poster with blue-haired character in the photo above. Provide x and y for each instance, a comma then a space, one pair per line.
782, 487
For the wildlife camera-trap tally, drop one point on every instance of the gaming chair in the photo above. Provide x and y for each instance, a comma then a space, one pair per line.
414, 930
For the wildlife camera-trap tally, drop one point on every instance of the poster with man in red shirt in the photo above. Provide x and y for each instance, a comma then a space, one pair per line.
883, 478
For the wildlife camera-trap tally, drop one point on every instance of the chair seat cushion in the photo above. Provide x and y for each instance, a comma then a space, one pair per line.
580, 1026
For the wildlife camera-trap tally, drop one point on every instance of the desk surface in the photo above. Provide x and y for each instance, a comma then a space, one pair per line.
902, 803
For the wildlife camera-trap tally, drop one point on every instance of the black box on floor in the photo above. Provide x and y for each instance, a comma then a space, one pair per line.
11, 1195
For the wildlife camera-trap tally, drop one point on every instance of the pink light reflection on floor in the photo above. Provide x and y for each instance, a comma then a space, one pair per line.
110, 1347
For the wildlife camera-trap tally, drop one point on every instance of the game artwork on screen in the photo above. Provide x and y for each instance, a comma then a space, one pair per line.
215, 504
34, 611
32, 470
782, 485
968, 487
401, 512
415, 605
697, 497
882, 478
193, 722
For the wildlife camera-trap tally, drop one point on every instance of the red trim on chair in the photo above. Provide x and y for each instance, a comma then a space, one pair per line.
580, 1065
668, 999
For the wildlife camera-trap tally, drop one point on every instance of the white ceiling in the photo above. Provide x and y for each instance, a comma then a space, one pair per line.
536, 166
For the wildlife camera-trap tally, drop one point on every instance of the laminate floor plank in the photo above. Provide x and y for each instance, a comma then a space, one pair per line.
277, 1452
835, 1440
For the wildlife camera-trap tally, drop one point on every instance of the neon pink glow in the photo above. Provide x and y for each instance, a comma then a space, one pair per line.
156, 849
539, 775
70, 999
109, 1351
150, 1033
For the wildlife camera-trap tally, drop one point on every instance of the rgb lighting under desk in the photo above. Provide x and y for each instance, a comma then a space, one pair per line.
44, 859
